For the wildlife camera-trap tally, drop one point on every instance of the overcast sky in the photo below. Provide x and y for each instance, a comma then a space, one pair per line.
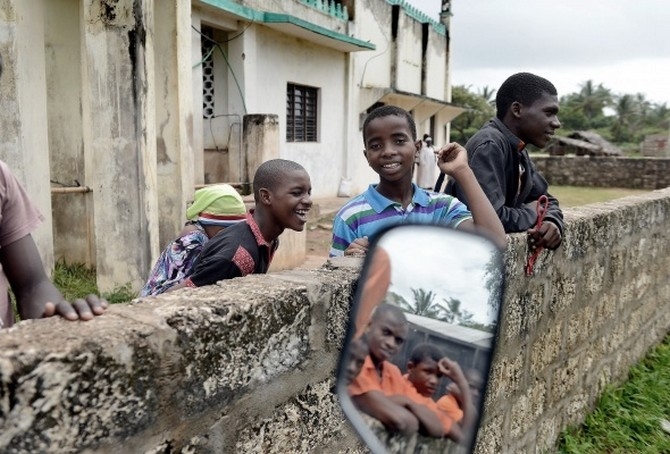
623, 44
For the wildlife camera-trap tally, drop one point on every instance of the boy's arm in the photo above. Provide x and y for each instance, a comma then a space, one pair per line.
453, 160
488, 164
393, 415
345, 241
452, 370
36, 296
550, 233
429, 422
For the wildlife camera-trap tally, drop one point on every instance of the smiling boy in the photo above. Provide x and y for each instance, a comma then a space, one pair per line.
282, 192
526, 113
389, 136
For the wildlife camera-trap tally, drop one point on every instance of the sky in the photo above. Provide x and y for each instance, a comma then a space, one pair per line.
447, 262
623, 44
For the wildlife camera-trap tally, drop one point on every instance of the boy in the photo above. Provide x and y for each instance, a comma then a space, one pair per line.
389, 135
526, 113
475, 384
282, 192
22, 267
380, 389
425, 367
214, 208
426, 164
358, 351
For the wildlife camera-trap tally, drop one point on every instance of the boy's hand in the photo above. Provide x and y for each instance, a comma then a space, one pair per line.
451, 370
548, 236
452, 158
81, 309
358, 246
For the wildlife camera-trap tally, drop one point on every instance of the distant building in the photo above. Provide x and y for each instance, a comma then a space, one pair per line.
582, 143
656, 145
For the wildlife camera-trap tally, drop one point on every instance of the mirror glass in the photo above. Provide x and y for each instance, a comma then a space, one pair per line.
414, 367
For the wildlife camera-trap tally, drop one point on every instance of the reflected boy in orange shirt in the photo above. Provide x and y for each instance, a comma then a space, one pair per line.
426, 366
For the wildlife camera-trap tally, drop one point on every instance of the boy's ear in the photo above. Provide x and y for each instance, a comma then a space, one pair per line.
265, 196
515, 108
418, 145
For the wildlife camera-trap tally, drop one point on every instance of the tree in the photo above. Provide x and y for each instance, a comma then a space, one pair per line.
423, 304
479, 110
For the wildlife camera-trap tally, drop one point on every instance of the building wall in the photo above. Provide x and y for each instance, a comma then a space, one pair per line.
24, 143
248, 364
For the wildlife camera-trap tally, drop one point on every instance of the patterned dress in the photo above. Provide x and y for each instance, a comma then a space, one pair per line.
175, 262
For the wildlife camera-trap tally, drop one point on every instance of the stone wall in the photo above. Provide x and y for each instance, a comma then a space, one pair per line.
247, 365
592, 309
605, 171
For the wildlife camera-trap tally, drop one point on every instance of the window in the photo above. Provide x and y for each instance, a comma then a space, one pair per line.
301, 113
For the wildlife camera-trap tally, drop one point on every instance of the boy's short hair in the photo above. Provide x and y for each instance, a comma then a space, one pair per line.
425, 351
525, 88
271, 173
386, 308
387, 111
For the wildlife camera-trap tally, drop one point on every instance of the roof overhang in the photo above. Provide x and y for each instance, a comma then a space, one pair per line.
293, 26
424, 107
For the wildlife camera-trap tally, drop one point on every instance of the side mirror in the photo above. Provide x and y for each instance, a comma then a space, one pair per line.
416, 359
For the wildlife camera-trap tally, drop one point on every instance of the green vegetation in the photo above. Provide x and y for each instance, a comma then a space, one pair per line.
572, 196
76, 281
623, 119
629, 418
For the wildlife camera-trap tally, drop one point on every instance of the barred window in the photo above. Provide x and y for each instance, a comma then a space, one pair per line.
301, 113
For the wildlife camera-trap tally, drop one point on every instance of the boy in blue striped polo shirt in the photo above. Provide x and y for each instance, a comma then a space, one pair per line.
389, 136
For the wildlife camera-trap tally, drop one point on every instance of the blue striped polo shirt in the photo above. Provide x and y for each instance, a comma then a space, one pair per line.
368, 213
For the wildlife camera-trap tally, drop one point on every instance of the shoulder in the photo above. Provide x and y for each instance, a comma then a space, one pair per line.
227, 241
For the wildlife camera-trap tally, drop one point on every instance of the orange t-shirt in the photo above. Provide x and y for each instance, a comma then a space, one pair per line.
449, 405
393, 383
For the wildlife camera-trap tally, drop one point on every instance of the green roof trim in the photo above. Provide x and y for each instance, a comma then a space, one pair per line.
263, 17
418, 15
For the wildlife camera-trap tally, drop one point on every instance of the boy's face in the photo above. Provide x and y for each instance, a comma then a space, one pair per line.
291, 200
538, 121
357, 354
386, 335
390, 148
424, 376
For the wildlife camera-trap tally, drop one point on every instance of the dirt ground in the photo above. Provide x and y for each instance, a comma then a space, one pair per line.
319, 235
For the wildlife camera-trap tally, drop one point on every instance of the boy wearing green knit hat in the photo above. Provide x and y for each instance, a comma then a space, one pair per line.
213, 209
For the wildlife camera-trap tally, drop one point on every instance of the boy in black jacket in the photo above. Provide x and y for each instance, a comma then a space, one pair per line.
527, 113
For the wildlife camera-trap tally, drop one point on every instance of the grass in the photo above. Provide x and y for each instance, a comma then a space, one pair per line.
628, 418
75, 280
573, 196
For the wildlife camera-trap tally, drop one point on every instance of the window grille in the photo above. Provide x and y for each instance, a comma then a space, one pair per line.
207, 49
301, 113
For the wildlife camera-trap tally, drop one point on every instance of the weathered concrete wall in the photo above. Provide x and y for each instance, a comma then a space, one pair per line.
605, 171
247, 365
242, 367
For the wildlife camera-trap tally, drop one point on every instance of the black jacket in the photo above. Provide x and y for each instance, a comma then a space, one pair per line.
494, 156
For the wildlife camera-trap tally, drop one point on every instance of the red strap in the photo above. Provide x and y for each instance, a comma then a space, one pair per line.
542, 204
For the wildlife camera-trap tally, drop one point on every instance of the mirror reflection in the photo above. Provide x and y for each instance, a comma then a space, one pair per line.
424, 322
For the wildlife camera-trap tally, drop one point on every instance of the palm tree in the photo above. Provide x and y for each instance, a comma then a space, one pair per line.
625, 109
424, 303
593, 99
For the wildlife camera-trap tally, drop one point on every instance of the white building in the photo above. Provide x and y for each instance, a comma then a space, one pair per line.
139, 101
